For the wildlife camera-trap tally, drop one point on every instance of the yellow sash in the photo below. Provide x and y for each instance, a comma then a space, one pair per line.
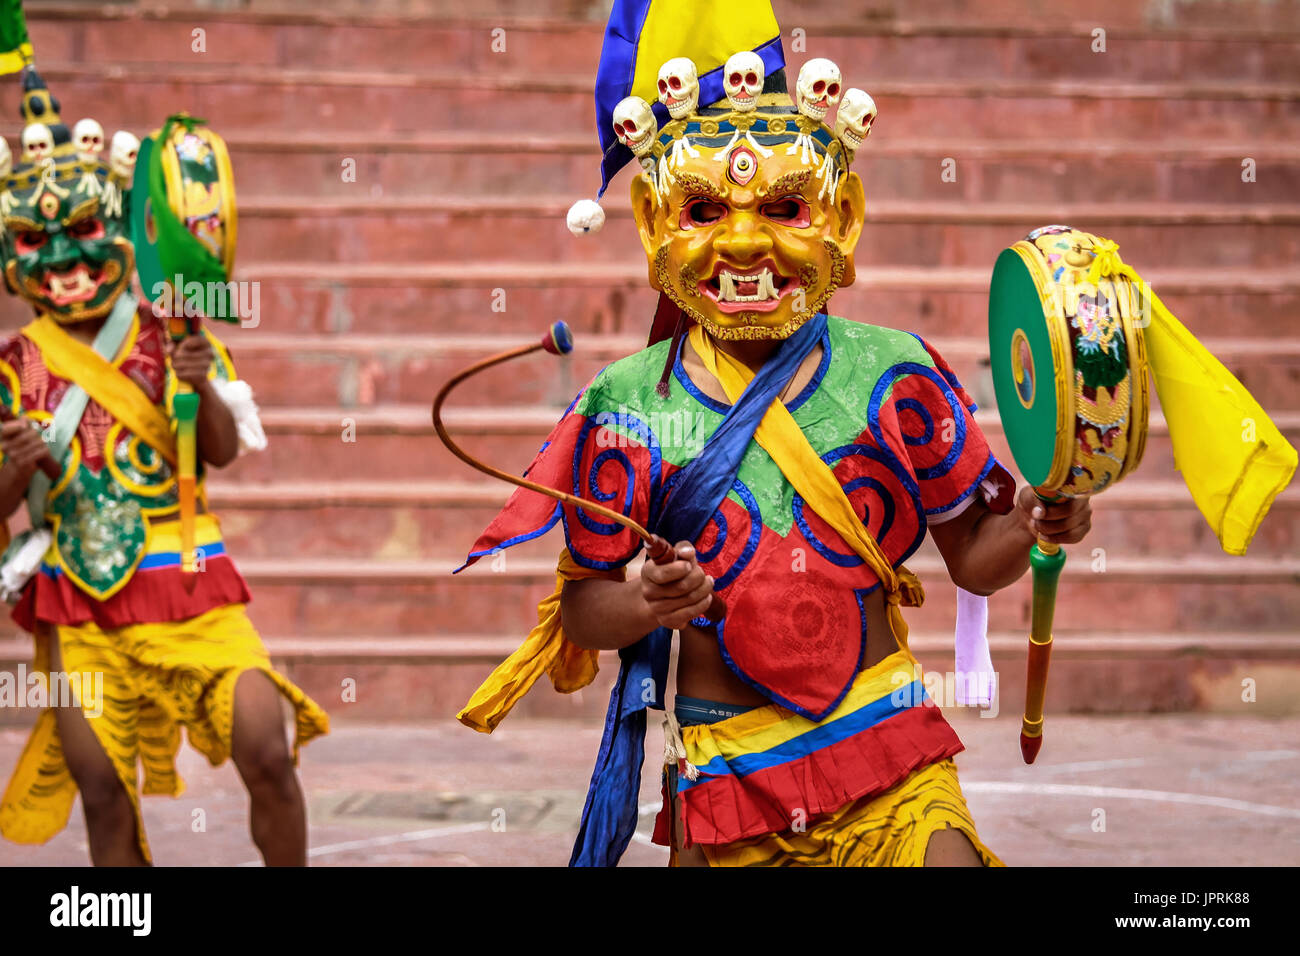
1233, 458
545, 651
105, 384
812, 478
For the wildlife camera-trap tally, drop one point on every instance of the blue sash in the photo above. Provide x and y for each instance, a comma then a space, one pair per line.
609, 817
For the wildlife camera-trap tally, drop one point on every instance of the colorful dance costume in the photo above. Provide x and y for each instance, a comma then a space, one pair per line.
798, 508
101, 570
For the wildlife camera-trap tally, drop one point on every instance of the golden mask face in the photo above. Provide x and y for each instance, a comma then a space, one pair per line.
743, 243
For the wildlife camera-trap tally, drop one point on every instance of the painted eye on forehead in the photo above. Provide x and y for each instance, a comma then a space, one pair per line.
742, 166
48, 204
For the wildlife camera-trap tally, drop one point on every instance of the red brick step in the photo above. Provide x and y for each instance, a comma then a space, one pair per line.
407, 520
306, 595
431, 677
1030, 170
896, 233
137, 96
359, 369
1030, 51
463, 298
1234, 17
398, 442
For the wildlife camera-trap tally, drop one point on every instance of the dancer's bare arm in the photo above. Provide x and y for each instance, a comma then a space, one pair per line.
986, 552
606, 615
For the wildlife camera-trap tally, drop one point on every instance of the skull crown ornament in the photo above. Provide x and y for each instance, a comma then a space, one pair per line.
853, 123
742, 78
64, 246
89, 137
747, 104
679, 87
819, 88
634, 125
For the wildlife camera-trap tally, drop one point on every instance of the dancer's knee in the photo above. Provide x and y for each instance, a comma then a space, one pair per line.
951, 847
266, 764
103, 795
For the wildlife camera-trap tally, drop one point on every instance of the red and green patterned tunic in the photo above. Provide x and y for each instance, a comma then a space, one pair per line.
883, 410
114, 558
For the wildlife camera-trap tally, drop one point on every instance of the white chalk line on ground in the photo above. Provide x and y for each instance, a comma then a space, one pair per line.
416, 836
413, 836
1121, 793
970, 786
1085, 766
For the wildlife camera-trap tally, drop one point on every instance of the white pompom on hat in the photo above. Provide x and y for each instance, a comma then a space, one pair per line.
585, 217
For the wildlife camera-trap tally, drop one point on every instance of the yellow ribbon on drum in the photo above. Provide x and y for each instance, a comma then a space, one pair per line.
1232, 456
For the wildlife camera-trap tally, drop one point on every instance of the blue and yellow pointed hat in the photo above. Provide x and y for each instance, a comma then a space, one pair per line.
673, 72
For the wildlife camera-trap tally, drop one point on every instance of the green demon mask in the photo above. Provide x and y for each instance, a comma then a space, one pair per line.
64, 255
65, 248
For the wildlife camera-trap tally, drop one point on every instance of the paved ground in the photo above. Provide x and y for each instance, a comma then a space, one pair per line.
1175, 790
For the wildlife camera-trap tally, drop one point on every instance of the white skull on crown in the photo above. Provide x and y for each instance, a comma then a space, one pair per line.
38, 142
6, 158
853, 124
679, 87
635, 125
88, 136
122, 153
742, 80
818, 88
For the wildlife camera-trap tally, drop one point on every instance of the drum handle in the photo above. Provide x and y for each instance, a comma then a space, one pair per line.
1046, 559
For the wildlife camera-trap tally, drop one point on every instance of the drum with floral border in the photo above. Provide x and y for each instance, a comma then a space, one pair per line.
1069, 363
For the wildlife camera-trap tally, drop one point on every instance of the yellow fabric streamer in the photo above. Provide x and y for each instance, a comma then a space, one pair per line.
812, 478
1233, 458
104, 383
544, 651
12, 61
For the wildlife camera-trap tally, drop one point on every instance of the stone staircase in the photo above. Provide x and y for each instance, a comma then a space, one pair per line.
374, 291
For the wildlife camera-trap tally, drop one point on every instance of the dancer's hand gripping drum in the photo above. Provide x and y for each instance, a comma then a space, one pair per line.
1070, 375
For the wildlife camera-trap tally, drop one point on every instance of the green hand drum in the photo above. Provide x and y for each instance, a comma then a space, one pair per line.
1069, 365
183, 225
183, 215
1070, 374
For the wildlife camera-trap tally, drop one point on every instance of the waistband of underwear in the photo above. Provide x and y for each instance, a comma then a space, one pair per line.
690, 711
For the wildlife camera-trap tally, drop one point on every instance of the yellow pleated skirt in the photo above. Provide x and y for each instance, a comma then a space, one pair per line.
890, 829
156, 678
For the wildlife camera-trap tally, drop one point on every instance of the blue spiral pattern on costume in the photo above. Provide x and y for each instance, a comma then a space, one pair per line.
719, 519
588, 486
946, 372
887, 497
958, 414
911, 404
732, 571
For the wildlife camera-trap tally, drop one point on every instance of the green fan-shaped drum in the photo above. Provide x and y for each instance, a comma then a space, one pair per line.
1069, 364
183, 214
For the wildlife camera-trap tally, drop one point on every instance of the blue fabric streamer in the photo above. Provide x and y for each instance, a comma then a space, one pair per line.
609, 817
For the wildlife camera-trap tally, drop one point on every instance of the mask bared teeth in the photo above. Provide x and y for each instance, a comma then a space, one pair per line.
752, 287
